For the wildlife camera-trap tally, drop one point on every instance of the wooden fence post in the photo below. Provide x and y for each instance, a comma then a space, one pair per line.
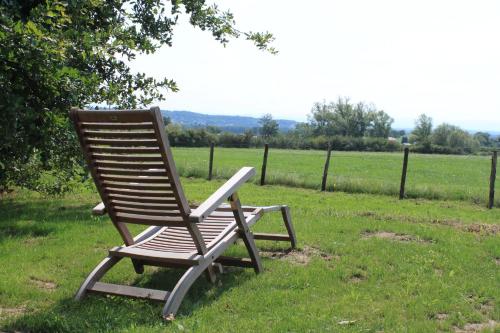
493, 176
327, 164
211, 161
264, 165
403, 175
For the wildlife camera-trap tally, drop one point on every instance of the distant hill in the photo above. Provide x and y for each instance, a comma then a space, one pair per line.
236, 124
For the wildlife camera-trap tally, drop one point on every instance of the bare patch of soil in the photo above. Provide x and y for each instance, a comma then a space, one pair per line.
13, 311
393, 236
31, 241
357, 278
487, 307
483, 228
299, 257
43, 284
489, 229
367, 213
497, 261
441, 316
477, 327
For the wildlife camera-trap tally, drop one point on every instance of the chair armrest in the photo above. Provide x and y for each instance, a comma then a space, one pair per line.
222, 194
99, 210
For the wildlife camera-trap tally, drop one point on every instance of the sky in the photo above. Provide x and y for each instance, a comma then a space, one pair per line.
438, 57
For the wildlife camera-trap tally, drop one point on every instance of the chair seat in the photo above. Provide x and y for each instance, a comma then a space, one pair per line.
178, 239
176, 244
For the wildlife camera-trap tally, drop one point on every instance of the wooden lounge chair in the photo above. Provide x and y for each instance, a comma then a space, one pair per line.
130, 160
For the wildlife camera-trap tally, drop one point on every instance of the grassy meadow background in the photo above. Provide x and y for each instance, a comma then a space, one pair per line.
366, 261
453, 177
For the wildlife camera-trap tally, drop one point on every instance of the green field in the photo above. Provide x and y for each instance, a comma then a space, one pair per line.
367, 263
429, 176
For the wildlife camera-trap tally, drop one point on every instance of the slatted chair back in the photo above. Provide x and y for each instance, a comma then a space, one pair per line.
129, 157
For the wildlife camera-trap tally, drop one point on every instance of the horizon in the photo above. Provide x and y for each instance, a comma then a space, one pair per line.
408, 129
407, 59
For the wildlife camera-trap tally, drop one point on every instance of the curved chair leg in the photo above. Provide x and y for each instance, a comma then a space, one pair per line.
181, 288
287, 219
138, 266
96, 274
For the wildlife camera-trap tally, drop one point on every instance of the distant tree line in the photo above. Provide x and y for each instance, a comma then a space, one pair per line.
342, 118
449, 139
345, 126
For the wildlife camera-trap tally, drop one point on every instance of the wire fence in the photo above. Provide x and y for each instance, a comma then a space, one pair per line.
406, 174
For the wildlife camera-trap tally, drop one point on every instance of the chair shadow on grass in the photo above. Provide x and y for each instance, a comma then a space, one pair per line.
96, 312
115, 313
38, 218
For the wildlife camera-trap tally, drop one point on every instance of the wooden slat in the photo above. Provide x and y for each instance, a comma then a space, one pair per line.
275, 237
166, 234
141, 205
215, 222
134, 252
140, 193
115, 116
173, 244
137, 179
178, 238
221, 217
146, 211
168, 249
132, 172
122, 142
150, 220
125, 165
182, 239
120, 134
158, 244
137, 186
143, 199
126, 126
233, 261
214, 226
124, 150
128, 158
210, 233
121, 290
179, 243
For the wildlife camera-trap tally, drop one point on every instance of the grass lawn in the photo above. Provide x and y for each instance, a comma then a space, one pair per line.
366, 263
429, 176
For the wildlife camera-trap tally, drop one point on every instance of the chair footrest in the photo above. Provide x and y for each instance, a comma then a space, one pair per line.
233, 261
275, 237
116, 289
